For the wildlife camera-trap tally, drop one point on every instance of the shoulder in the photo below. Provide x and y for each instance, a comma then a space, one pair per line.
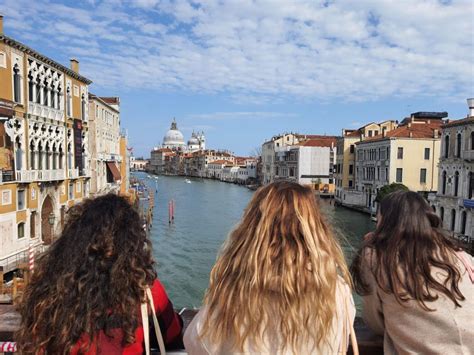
160, 298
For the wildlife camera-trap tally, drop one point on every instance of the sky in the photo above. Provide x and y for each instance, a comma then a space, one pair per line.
243, 71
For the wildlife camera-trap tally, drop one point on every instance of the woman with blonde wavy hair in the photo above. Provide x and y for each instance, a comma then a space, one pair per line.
280, 284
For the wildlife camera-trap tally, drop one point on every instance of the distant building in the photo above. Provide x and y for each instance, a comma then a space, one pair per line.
308, 162
104, 126
407, 154
138, 164
344, 173
454, 202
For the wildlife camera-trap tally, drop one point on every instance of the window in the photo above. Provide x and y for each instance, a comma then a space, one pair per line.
292, 171
472, 140
453, 219
441, 214
31, 85
83, 108
427, 153
444, 182
376, 133
38, 91
21, 230
3, 60
71, 191
370, 133
6, 197
458, 145
16, 84
400, 153
463, 222
351, 148
33, 225
399, 174
351, 169
351, 184
446, 146
423, 176
68, 102
471, 184
21, 202
456, 183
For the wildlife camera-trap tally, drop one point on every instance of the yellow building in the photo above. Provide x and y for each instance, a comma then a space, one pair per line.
345, 161
408, 155
44, 157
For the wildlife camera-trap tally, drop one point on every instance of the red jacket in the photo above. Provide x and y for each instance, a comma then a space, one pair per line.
170, 325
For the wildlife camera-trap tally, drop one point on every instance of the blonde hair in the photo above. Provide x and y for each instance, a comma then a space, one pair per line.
278, 268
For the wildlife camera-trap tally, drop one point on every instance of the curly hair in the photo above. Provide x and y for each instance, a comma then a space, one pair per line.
92, 278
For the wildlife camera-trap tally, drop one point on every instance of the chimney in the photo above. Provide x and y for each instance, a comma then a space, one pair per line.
74, 65
384, 131
1, 25
470, 102
410, 134
435, 133
409, 125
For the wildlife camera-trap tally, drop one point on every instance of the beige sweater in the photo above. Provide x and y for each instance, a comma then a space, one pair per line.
409, 329
272, 344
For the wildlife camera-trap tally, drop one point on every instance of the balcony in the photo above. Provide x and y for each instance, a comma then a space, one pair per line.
73, 173
25, 176
44, 111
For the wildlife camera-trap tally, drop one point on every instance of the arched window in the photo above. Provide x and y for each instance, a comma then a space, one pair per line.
458, 145
470, 184
446, 146
453, 219
18, 155
83, 107
463, 222
434, 208
45, 93
61, 157
40, 156
456, 183
55, 155
68, 102
59, 97
52, 98
32, 156
38, 91
48, 155
21, 230
444, 183
441, 214
31, 85
16, 84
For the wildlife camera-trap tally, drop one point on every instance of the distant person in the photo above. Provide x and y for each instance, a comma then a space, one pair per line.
85, 294
417, 286
280, 284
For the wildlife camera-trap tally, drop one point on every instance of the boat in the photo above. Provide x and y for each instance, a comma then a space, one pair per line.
187, 181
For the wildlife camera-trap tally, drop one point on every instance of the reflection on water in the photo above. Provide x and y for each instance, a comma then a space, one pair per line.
205, 213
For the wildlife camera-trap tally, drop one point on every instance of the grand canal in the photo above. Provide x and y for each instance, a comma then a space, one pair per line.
205, 213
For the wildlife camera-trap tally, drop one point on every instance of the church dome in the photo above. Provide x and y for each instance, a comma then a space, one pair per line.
193, 141
173, 138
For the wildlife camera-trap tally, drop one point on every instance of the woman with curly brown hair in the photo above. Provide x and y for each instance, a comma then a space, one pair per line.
417, 285
280, 285
86, 292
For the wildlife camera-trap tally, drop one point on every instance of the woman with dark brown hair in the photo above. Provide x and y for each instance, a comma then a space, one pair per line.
86, 292
417, 285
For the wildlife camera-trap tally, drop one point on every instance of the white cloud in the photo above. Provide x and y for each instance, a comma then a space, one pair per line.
263, 51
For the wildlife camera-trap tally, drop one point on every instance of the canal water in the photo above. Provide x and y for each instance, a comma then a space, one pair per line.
205, 213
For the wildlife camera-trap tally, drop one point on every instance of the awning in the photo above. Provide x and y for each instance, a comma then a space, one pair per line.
114, 170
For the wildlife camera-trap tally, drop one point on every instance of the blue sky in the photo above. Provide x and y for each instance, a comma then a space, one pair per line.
245, 70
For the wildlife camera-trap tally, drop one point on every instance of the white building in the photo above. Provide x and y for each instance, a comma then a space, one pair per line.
309, 162
454, 202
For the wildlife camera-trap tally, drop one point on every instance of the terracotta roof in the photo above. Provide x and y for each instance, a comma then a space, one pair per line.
415, 130
219, 162
111, 100
319, 142
355, 133
459, 122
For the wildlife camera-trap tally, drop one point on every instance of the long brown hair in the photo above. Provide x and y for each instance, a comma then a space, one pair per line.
402, 252
279, 268
92, 278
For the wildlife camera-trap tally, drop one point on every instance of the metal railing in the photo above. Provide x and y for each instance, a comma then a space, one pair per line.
12, 262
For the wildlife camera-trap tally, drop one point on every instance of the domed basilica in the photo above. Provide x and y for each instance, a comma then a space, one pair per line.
174, 140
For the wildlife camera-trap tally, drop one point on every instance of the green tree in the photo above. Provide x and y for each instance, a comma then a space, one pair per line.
388, 189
